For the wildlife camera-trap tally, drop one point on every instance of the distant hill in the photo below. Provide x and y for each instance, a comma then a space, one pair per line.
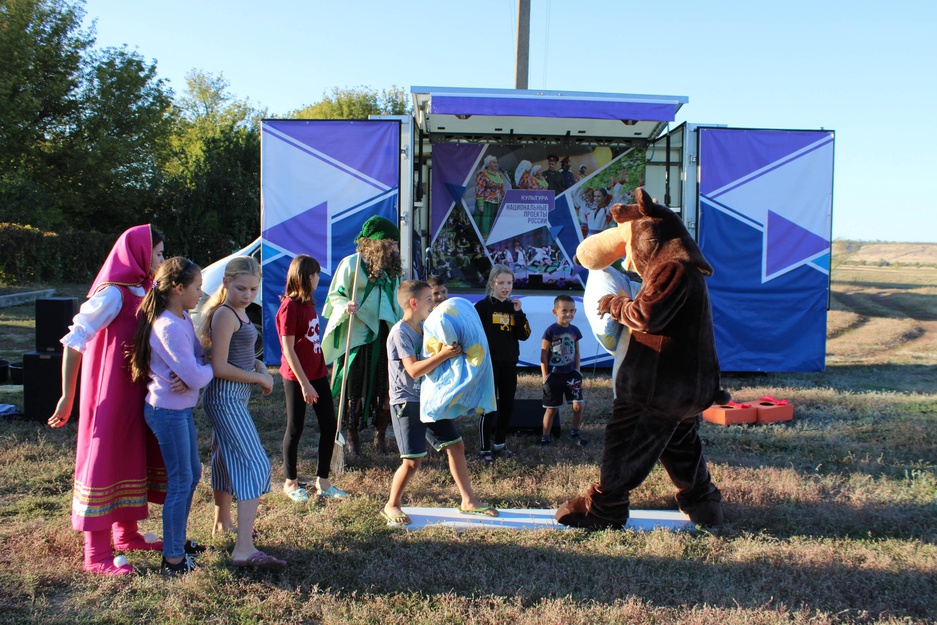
878, 253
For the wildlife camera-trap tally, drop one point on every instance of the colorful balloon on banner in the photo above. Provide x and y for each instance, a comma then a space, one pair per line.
602, 155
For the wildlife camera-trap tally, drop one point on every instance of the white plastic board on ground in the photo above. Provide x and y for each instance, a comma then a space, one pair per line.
530, 519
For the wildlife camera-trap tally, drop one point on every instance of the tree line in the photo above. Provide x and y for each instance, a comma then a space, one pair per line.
94, 140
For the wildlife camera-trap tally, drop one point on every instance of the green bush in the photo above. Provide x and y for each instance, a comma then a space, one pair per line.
30, 255
21, 259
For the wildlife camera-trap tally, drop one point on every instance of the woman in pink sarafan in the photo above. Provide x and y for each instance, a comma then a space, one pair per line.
118, 465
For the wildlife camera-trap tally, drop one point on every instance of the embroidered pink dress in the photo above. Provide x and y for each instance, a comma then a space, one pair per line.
118, 465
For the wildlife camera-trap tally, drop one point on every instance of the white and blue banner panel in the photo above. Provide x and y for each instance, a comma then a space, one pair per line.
320, 181
765, 225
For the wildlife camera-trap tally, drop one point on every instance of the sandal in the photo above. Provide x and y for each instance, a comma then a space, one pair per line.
261, 560
331, 492
299, 495
396, 521
480, 511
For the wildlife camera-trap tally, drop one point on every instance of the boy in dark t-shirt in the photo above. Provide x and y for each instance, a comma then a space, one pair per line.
559, 365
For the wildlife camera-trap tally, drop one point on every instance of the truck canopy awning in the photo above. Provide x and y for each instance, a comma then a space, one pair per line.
526, 113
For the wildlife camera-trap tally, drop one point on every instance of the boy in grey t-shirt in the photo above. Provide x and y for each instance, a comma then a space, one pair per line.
405, 369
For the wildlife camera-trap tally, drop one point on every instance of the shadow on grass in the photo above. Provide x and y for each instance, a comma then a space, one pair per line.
467, 565
843, 378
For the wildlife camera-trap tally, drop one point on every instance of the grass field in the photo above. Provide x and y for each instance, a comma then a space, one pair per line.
829, 519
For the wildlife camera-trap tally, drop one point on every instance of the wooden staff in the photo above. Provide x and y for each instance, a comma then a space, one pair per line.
338, 450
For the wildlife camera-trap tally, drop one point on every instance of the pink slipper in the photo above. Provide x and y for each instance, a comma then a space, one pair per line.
261, 560
106, 567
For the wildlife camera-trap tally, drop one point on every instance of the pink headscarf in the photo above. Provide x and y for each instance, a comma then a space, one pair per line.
128, 263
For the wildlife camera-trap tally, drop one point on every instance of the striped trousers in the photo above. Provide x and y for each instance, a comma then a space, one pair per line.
239, 464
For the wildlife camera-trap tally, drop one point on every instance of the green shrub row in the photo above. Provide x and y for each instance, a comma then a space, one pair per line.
29, 255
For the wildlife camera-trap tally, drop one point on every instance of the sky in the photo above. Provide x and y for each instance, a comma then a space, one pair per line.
866, 70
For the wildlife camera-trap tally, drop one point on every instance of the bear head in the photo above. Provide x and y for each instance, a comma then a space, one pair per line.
647, 234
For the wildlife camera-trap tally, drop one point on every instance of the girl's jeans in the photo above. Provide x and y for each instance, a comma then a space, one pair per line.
175, 431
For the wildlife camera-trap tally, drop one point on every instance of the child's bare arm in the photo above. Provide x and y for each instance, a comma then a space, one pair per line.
418, 368
544, 358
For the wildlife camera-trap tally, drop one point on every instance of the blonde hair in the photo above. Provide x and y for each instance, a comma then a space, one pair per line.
173, 272
496, 270
237, 266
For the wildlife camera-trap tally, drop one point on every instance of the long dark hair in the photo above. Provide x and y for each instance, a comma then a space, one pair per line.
301, 270
173, 272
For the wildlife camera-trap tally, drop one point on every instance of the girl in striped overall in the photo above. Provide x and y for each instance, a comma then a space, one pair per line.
239, 465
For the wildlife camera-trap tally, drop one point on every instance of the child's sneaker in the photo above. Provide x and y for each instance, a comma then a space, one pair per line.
576, 437
487, 457
194, 549
181, 567
502, 450
546, 441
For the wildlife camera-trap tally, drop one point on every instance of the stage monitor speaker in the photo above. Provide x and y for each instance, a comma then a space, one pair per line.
53, 316
528, 417
42, 385
535, 281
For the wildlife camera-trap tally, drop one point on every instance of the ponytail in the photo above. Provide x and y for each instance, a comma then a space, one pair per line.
173, 272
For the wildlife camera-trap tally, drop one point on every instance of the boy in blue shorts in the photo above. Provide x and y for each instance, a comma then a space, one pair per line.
405, 368
559, 365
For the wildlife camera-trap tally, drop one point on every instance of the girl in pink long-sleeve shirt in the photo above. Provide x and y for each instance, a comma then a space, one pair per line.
165, 348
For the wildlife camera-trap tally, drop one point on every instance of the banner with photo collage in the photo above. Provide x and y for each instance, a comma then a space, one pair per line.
524, 206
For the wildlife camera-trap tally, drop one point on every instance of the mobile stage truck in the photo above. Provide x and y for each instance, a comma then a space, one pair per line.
759, 203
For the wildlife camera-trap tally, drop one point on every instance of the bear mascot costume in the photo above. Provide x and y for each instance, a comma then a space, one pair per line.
668, 374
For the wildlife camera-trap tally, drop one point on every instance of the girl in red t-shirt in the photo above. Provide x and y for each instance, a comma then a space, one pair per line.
305, 378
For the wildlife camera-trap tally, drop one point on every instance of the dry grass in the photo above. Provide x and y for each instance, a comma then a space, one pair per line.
829, 519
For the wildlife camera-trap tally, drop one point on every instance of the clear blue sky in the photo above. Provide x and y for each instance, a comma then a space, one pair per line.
867, 70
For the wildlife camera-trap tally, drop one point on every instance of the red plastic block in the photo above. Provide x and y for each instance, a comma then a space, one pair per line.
731, 414
771, 410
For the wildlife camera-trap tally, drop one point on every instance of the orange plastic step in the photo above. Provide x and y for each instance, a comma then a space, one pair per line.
731, 414
771, 410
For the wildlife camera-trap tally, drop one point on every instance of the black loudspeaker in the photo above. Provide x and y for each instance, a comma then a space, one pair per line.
42, 385
535, 281
53, 316
528, 417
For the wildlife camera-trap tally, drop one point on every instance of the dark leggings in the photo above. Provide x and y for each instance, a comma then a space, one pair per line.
296, 419
498, 422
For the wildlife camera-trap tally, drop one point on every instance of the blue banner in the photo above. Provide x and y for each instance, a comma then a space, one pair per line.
320, 181
765, 226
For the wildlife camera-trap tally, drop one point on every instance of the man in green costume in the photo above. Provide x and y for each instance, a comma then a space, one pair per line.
369, 306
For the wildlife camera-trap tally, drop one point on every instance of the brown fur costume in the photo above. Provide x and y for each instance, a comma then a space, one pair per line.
668, 375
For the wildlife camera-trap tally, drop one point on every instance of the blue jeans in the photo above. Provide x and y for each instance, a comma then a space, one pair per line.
175, 431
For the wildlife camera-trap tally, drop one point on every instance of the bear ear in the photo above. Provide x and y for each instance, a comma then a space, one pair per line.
623, 213
644, 200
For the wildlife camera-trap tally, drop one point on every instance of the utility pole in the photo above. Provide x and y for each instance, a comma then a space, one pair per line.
522, 59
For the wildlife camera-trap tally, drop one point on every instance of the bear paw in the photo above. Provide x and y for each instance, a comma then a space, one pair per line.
576, 513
